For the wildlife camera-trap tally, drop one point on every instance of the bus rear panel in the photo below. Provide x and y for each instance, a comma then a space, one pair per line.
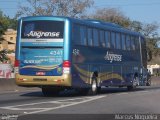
41, 58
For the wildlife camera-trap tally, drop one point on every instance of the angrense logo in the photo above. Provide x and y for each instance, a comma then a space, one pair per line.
39, 34
113, 57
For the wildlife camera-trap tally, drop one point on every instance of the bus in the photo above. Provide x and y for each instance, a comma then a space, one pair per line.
57, 53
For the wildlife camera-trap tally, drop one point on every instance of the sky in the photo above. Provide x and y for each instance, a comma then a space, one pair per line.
146, 11
139, 10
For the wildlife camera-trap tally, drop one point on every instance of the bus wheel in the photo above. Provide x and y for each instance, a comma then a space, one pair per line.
135, 83
47, 91
148, 83
129, 88
83, 91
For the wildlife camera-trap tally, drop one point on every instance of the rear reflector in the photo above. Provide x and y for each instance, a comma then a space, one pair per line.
66, 67
66, 70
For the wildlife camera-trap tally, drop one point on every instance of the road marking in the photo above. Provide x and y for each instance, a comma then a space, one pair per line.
18, 91
60, 103
144, 92
122, 93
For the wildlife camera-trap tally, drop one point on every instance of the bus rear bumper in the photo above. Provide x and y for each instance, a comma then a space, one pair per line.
29, 81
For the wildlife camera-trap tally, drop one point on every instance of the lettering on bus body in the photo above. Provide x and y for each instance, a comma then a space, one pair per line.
113, 57
76, 52
56, 52
39, 34
42, 57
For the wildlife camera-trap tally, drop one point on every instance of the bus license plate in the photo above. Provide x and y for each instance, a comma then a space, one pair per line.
39, 79
40, 73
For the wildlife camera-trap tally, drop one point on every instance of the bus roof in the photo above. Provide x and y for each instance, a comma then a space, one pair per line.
88, 22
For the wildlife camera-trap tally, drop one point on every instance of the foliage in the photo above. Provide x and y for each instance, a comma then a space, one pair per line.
151, 35
3, 56
12, 23
135, 26
148, 30
71, 8
6, 22
10, 51
111, 15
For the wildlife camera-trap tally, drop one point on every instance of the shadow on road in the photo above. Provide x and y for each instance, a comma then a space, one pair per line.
73, 93
112, 90
33, 94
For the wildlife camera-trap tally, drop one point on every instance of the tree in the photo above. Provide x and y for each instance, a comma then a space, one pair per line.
70, 8
135, 26
12, 23
148, 30
4, 23
3, 56
150, 33
111, 15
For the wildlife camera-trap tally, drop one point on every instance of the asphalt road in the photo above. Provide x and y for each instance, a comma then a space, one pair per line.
143, 100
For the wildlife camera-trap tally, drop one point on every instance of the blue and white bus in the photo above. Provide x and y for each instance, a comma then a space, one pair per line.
56, 53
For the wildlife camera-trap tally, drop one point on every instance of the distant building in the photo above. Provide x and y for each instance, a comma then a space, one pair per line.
8, 40
154, 69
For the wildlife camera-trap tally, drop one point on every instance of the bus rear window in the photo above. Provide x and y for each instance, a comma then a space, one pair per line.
42, 29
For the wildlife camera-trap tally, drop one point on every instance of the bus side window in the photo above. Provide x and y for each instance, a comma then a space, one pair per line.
95, 37
118, 41
123, 42
113, 40
137, 43
89, 36
107, 39
102, 40
83, 36
132, 43
76, 35
128, 44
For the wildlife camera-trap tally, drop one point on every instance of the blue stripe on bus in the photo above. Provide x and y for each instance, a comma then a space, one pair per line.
18, 40
43, 18
60, 44
67, 40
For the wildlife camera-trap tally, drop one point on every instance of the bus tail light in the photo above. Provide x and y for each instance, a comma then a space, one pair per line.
16, 64
66, 66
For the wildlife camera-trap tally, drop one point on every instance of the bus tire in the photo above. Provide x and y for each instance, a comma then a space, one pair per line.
83, 91
134, 84
129, 88
148, 83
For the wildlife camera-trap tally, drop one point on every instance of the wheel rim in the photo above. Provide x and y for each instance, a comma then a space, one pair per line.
135, 82
94, 86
